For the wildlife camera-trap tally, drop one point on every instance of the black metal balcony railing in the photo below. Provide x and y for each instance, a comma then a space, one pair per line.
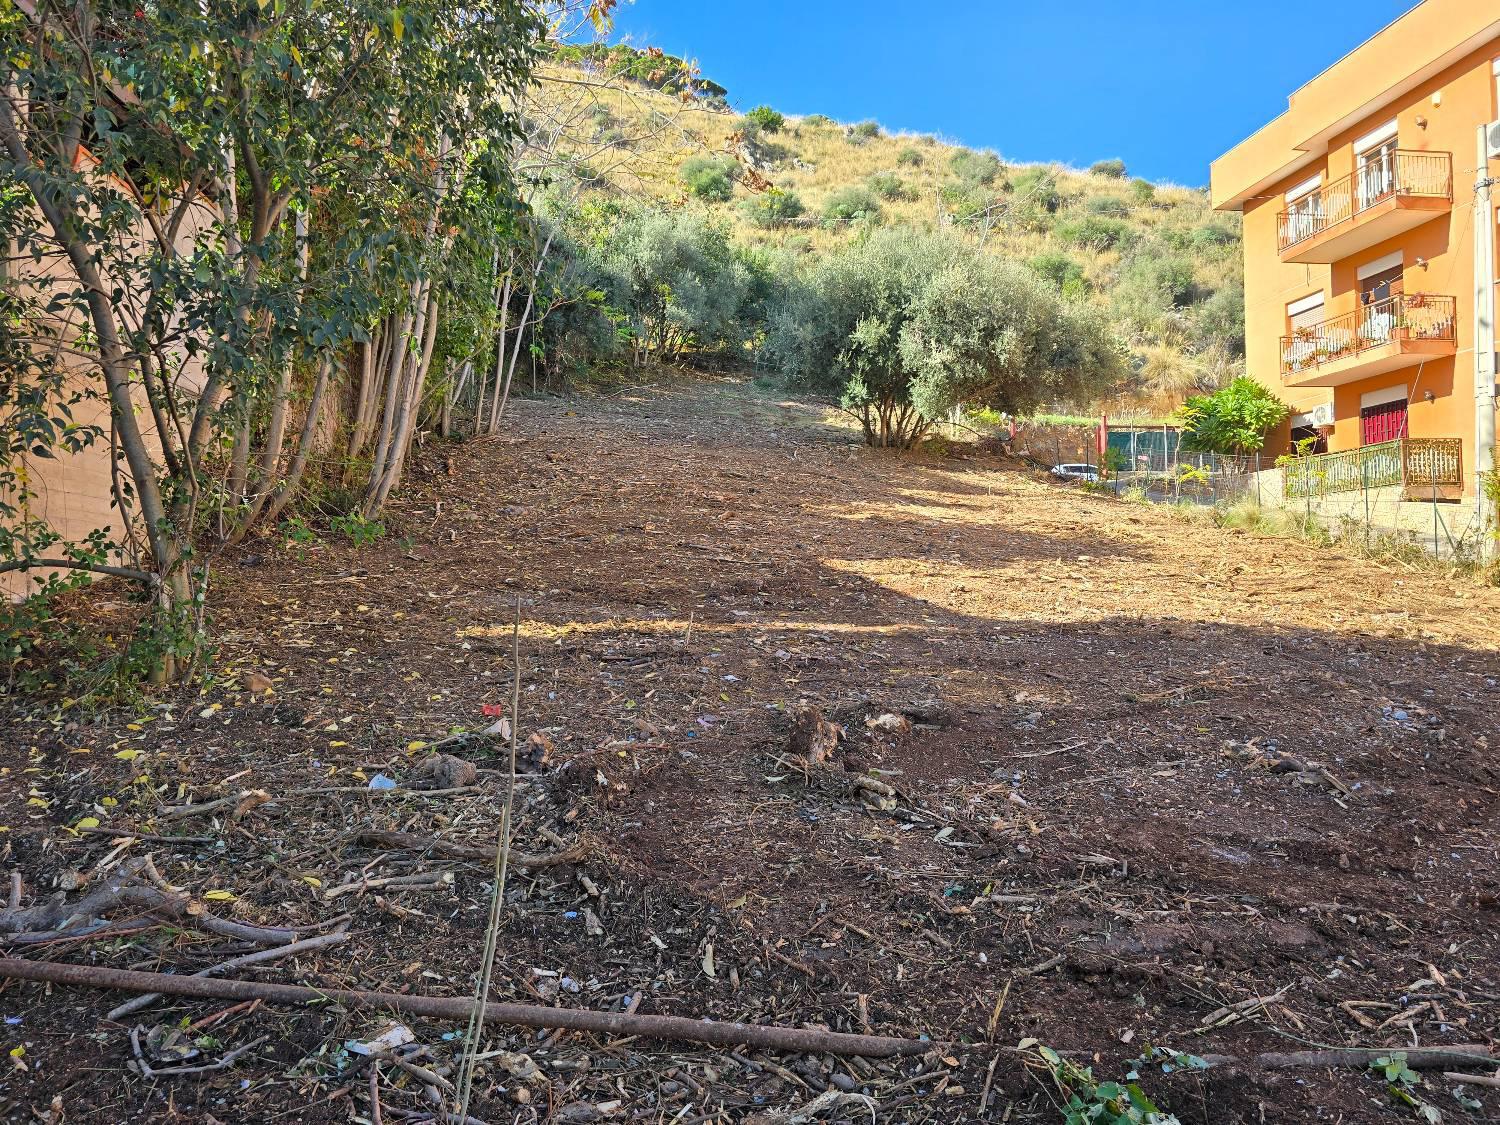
1411, 462
1409, 316
1401, 173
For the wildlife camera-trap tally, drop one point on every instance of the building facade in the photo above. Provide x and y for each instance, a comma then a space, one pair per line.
1369, 268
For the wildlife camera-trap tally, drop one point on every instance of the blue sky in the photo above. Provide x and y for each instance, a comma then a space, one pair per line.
1166, 84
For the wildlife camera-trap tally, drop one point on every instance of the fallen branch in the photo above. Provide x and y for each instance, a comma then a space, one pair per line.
148, 837
130, 1007
410, 842
1492, 1083
794, 1040
428, 881
826, 1100
243, 802
1418, 1058
147, 1071
58, 918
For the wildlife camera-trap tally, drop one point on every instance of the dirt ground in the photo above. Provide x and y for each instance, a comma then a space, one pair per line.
1153, 770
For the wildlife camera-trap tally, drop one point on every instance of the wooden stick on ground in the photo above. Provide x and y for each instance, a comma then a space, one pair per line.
1418, 1058
674, 1028
410, 842
274, 953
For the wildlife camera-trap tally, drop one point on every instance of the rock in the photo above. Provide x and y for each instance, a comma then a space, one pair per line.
258, 683
444, 771
888, 723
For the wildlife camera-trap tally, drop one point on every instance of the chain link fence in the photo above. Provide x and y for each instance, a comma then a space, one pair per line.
1394, 497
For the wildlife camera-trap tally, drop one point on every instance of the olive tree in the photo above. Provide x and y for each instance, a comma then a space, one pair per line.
908, 325
679, 279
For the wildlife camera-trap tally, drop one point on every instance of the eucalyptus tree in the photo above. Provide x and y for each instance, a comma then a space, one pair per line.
219, 199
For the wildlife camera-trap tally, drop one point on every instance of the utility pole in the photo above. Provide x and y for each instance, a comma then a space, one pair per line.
1484, 337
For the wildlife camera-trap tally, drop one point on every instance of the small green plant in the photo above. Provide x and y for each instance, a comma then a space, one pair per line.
975, 167
1142, 191
888, 185
772, 208
358, 530
864, 131
1113, 461
909, 157
766, 119
852, 204
710, 177
1113, 169
297, 535
1061, 270
1086, 1101
1097, 232
1402, 1082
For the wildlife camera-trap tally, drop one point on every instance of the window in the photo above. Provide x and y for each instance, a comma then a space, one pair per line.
1304, 210
1306, 313
1381, 279
1375, 165
1304, 320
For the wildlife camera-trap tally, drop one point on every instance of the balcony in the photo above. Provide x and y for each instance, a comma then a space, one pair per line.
1411, 463
1383, 199
1401, 331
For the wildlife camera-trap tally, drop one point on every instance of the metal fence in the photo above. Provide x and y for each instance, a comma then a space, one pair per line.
1407, 462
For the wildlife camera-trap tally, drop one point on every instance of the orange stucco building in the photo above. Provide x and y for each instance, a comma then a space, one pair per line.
1363, 284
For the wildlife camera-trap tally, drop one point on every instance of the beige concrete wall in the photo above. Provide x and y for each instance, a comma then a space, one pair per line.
73, 491
1387, 511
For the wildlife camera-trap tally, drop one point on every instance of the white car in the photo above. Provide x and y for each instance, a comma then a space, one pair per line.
1076, 471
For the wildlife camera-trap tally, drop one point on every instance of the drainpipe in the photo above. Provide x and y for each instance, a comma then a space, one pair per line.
1484, 337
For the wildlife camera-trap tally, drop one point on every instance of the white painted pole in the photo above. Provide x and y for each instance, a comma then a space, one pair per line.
1484, 337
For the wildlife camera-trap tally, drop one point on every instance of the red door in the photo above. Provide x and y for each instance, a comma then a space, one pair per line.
1385, 422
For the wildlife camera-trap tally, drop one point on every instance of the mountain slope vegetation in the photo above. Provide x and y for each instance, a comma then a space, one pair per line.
1154, 258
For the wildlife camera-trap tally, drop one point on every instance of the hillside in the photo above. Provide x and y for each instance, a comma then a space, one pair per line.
1166, 267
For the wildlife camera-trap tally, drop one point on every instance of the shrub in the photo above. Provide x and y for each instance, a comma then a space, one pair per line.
819, 120
1097, 232
852, 204
1113, 169
909, 157
1106, 205
766, 119
864, 131
1233, 420
908, 325
975, 167
1036, 191
710, 177
1153, 288
773, 208
1059, 269
1213, 235
1221, 320
966, 202
888, 185
1142, 191
358, 530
